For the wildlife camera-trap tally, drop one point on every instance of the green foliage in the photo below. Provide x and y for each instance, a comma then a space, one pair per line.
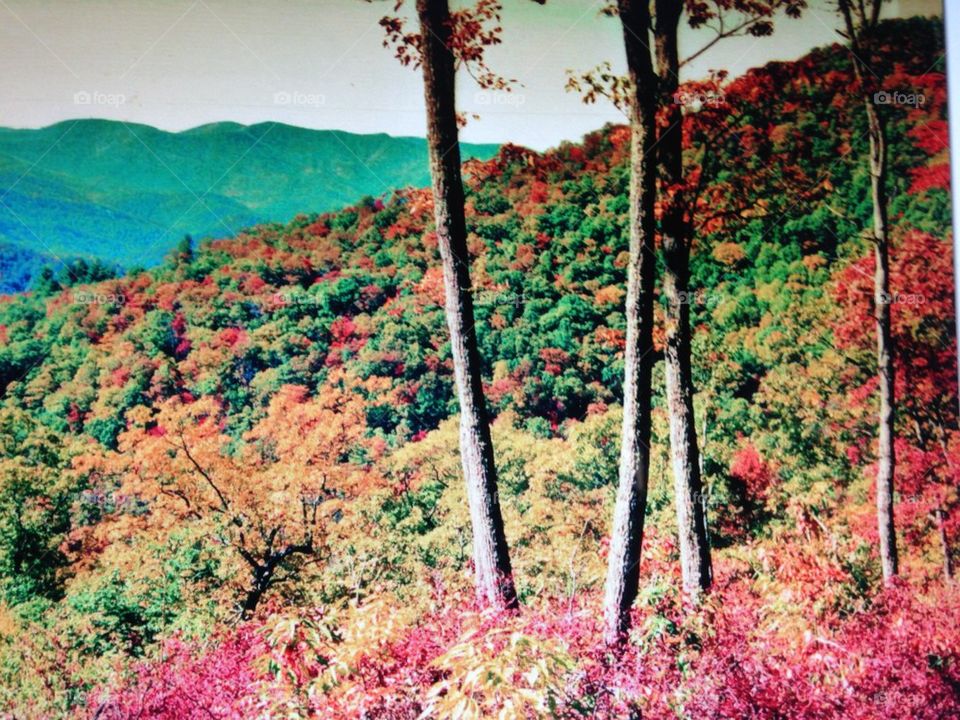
36, 495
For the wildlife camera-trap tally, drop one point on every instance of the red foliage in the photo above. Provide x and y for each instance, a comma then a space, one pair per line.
935, 176
120, 376
183, 344
898, 660
538, 192
502, 388
749, 468
232, 337
189, 683
555, 360
253, 285
341, 330
74, 417
318, 229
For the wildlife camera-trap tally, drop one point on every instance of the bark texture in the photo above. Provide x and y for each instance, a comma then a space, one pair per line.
676, 235
626, 540
491, 557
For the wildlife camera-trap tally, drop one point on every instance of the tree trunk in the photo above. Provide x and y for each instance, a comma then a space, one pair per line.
676, 235
262, 573
944, 544
623, 568
860, 21
259, 582
941, 513
494, 577
886, 460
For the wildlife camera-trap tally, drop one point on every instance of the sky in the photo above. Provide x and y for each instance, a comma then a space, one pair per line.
177, 64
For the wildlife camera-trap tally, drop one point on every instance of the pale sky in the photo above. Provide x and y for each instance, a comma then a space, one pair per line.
177, 64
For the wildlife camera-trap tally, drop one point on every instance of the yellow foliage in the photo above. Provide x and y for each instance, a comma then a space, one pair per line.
770, 291
286, 488
729, 253
9, 625
500, 673
609, 295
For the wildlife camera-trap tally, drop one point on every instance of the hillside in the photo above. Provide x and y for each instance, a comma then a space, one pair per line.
127, 193
298, 376
19, 267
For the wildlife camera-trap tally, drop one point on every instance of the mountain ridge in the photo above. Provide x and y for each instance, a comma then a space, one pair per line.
126, 193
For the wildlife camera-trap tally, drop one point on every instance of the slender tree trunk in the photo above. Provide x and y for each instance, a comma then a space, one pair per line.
860, 21
626, 540
886, 465
676, 234
941, 513
944, 544
491, 557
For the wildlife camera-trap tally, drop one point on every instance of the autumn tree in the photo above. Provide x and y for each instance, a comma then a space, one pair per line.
272, 500
676, 228
444, 41
860, 20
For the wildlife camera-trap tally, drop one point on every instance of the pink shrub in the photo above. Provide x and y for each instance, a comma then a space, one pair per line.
898, 659
188, 682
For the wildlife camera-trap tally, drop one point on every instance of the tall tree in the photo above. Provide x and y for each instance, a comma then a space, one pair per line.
627, 534
676, 236
927, 459
860, 20
725, 19
650, 93
491, 558
444, 41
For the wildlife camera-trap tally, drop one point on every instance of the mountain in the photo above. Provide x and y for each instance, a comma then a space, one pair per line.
127, 193
18, 267
275, 412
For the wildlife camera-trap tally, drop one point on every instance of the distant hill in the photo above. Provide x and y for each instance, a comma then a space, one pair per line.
18, 266
126, 193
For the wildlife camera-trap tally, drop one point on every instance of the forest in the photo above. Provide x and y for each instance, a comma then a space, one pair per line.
661, 424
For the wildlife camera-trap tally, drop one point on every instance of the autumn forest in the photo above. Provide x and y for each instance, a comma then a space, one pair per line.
659, 424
